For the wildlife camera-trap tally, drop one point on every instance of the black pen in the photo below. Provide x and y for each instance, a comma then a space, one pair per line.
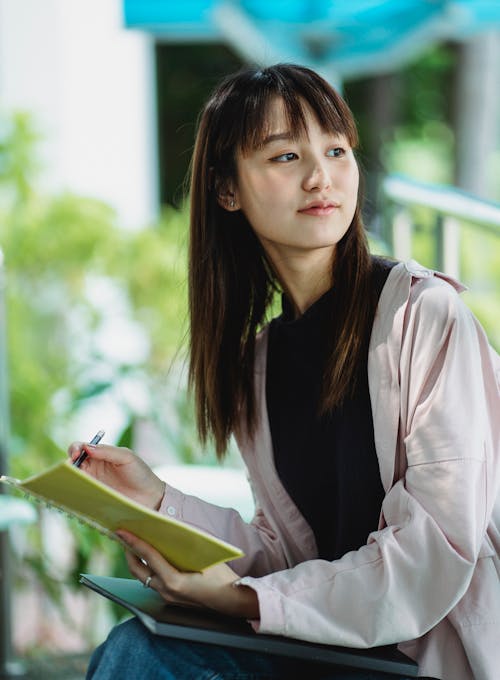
95, 440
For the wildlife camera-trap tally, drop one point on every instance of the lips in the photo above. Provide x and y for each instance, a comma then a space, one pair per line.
320, 208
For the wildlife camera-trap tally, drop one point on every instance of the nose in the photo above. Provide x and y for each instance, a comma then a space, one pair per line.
316, 176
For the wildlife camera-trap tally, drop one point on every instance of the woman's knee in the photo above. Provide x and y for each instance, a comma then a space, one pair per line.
120, 652
128, 634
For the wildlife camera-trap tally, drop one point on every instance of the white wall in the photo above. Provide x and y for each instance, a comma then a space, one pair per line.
90, 84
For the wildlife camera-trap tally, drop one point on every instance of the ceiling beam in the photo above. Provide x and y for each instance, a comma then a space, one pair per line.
260, 44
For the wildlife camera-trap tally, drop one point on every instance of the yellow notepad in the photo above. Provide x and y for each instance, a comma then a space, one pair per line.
79, 495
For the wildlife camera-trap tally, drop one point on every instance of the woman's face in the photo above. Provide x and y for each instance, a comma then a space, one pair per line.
299, 195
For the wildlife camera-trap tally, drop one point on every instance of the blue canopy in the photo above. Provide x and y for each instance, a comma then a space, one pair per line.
347, 38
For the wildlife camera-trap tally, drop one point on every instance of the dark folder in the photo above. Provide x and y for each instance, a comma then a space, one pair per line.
199, 625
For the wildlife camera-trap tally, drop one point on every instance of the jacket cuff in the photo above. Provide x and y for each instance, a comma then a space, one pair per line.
172, 503
272, 619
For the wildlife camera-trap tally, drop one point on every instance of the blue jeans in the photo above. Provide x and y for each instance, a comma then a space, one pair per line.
131, 652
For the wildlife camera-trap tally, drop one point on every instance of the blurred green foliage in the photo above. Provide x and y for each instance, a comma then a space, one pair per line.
53, 246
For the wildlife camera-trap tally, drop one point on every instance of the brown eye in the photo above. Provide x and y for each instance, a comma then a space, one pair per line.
336, 152
285, 158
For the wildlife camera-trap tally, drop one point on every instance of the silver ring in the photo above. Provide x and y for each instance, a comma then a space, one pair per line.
147, 581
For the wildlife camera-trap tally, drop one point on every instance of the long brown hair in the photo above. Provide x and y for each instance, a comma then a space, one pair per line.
230, 281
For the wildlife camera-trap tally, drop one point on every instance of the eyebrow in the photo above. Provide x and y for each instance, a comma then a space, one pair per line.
277, 137
285, 136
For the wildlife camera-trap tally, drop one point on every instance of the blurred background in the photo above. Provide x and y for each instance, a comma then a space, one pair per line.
98, 107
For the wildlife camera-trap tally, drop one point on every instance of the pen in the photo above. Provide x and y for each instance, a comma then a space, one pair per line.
95, 440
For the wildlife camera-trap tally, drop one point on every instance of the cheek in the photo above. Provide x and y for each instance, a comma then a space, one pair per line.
351, 193
351, 186
354, 178
257, 197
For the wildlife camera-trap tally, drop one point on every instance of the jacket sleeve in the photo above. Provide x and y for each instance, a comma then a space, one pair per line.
262, 549
412, 572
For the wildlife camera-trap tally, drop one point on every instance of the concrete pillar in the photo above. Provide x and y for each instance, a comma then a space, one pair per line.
477, 113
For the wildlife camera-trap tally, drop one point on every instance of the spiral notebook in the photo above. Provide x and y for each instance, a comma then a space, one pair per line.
67, 488
200, 625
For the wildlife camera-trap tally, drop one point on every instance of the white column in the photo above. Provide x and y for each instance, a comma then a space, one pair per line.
89, 83
477, 107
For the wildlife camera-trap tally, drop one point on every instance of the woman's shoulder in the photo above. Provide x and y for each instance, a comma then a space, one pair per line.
424, 286
435, 293
418, 298
436, 317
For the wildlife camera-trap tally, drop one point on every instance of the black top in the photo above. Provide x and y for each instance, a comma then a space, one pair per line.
327, 464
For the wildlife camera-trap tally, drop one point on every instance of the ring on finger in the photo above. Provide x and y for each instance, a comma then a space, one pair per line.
147, 581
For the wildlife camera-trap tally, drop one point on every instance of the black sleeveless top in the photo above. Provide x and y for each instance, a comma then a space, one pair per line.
327, 464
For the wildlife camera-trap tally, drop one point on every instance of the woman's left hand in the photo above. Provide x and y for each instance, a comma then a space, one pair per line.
213, 588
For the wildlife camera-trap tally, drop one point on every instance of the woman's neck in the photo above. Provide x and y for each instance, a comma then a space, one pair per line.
305, 280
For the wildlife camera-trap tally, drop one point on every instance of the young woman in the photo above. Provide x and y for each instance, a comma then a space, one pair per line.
367, 413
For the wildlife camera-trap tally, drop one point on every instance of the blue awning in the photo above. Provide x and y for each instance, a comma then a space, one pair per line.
352, 38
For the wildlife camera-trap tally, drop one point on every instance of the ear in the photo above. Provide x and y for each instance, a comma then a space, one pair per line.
227, 197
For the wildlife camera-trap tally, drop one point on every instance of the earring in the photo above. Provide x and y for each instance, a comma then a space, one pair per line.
232, 203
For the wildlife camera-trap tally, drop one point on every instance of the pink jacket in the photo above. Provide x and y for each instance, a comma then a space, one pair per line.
429, 577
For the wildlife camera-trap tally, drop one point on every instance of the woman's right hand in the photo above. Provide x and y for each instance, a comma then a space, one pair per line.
122, 470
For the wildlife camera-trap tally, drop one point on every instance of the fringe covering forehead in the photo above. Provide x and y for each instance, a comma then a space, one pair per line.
244, 103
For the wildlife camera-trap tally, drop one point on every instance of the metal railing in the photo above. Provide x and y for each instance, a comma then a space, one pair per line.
452, 209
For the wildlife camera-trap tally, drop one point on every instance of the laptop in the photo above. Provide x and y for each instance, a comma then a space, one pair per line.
203, 626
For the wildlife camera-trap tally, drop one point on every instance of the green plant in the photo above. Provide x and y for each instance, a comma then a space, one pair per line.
59, 250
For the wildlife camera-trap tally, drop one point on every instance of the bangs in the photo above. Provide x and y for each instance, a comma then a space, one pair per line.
298, 88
